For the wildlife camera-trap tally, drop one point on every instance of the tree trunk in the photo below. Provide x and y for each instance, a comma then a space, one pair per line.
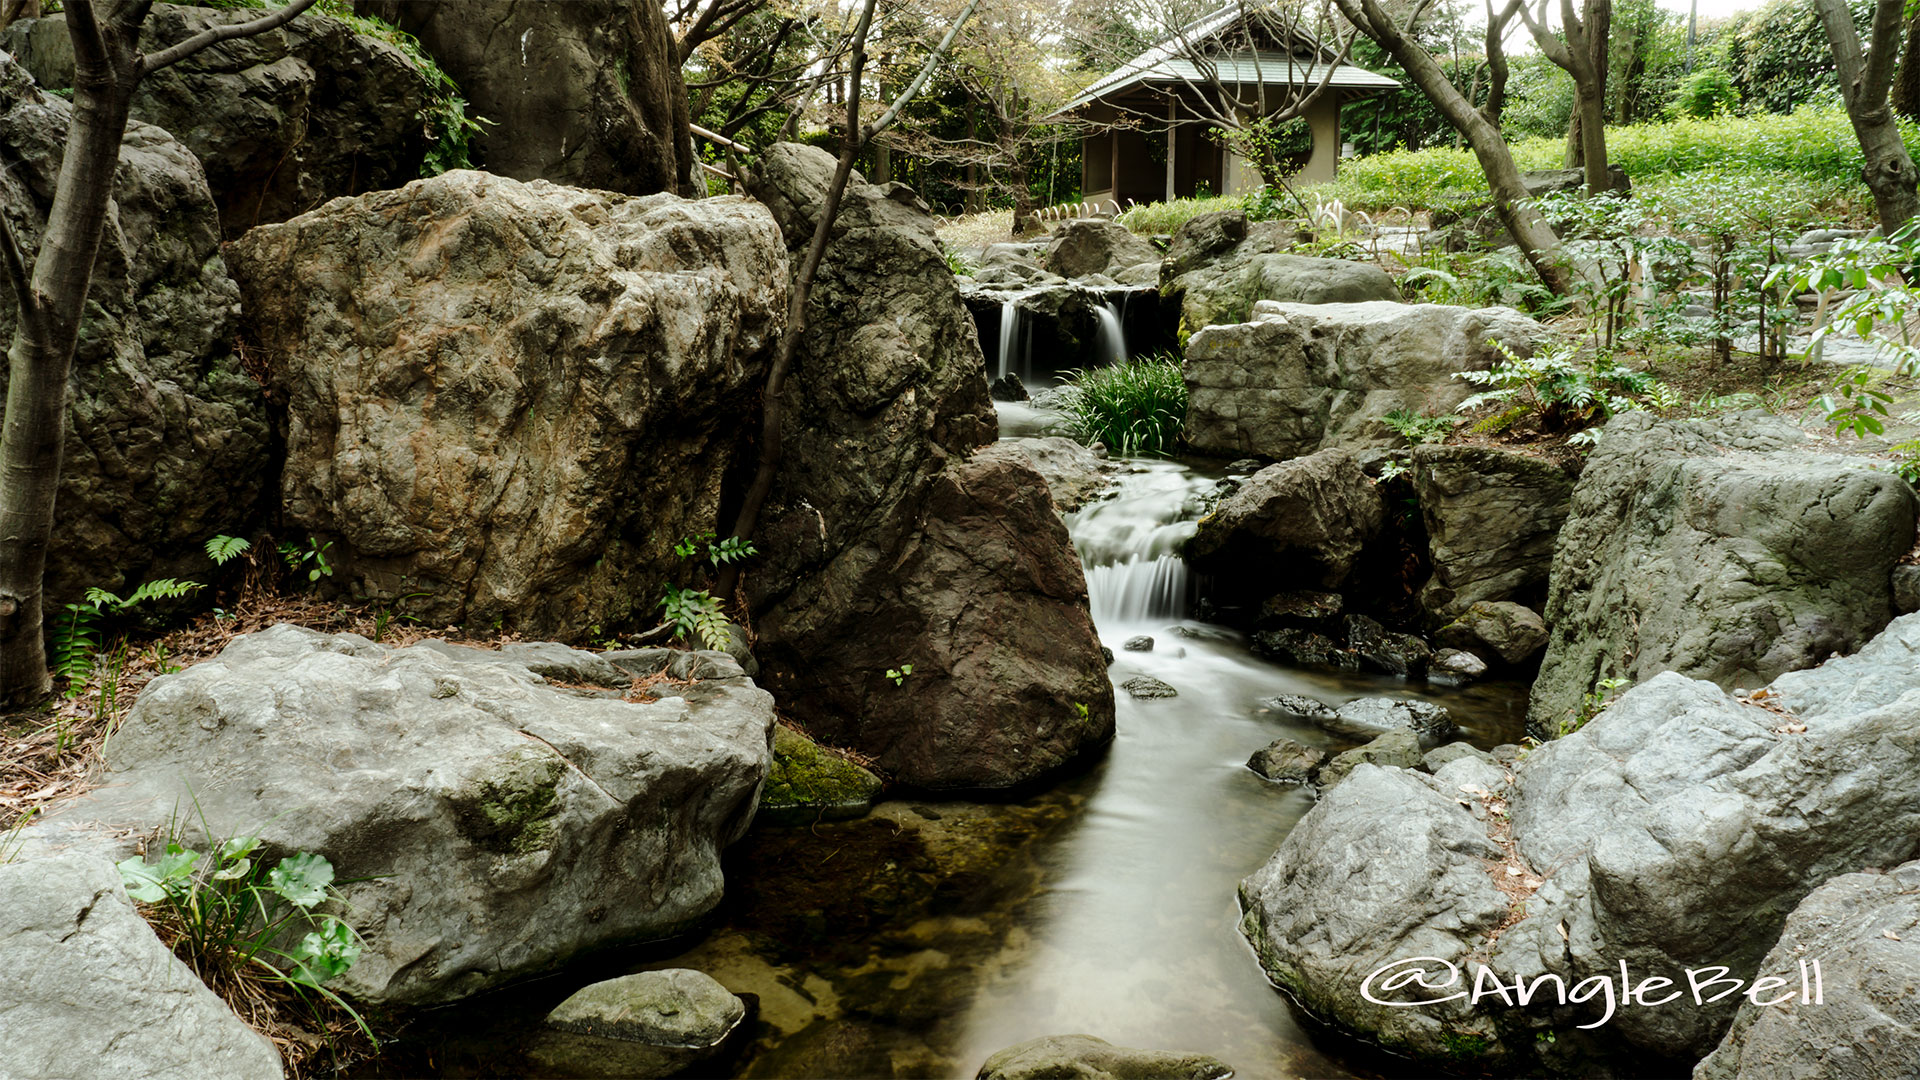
1536, 239
1906, 89
1864, 83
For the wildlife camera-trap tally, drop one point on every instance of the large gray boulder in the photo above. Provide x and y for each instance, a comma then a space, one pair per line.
1675, 831
1093, 246
1492, 518
87, 990
887, 544
1302, 377
1729, 550
1864, 932
281, 121
586, 93
1300, 524
489, 824
1218, 267
167, 438
1083, 1057
506, 402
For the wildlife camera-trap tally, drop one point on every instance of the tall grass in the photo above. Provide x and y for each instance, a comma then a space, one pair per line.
1814, 145
1165, 217
1135, 408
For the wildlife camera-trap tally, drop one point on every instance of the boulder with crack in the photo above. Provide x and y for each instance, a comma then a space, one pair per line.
487, 824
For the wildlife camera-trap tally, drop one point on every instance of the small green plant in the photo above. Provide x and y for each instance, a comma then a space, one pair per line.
78, 634
1855, 405
1418, 428
958, 264
1560, 390
899, 674
11, 841
694, 613
1594, 702
1135, 408
224, 549
312, 558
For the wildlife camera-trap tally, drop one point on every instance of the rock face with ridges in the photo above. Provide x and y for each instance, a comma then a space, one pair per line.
499, 824
1864, 929
1219, 266
1302, 377
586, 93
1492, 518
888, 543
167, 438
506, 402
86, 989
282, 121
1297, 525
1674, 831
1725, 550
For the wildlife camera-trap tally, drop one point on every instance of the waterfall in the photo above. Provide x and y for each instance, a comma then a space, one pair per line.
1009, 338
1110, 335
1129, 543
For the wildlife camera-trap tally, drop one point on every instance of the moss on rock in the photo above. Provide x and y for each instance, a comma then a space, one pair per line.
808, 781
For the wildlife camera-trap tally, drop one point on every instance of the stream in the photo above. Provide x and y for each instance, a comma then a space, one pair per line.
921, 939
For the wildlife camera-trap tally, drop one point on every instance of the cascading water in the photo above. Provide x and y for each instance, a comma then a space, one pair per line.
1010, 339
1110, 335
1128, 544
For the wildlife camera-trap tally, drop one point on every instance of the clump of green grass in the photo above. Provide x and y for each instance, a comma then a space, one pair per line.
1135, 408
1165, 217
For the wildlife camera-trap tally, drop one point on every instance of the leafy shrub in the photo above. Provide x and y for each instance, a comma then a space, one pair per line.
1559, 390
1135, 408
77, 632
1706, 93
1417, 428
694, 613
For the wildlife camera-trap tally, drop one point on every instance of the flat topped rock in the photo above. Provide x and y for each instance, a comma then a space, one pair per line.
1146, 686
1083, 1057
653, 1024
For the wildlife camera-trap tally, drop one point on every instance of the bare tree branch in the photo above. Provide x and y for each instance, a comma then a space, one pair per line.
148, 63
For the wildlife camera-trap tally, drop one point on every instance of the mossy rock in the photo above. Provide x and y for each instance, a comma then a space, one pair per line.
809, 783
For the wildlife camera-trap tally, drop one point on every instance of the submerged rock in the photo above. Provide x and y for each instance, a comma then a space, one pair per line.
87, 989
1674, 831
1141, 643
487, 825
167, 442
1296, 525
537, 466
1083, 1057
1286, 761
1306, 377
1296, 707
1730, 550
807, 782
653, 1024
1864, 930
1148, 687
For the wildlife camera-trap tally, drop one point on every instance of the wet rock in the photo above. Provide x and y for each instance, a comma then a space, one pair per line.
1286, 761
282, 121
1304, 648
653, 1024
925, 554
87, 989
608, 110
1083, 1057
1296, 525
1499, 630
1864, 929
501, 481
1080, 248
808, 783
1399, 749
1142, 643
487, 825
1148, 687
1008, 388
1369, 716
1674, 831
1300, 607
1455, 667
1296, 707
1075, 475
167, 442
1304, 377
1906, 589
1731, 550
1387, 651
1492, 517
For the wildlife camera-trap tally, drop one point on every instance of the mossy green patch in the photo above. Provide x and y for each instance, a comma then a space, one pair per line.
509, 805
806, 775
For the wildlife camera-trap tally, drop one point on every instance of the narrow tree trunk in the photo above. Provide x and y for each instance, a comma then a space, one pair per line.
1864, 82
1906, 88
